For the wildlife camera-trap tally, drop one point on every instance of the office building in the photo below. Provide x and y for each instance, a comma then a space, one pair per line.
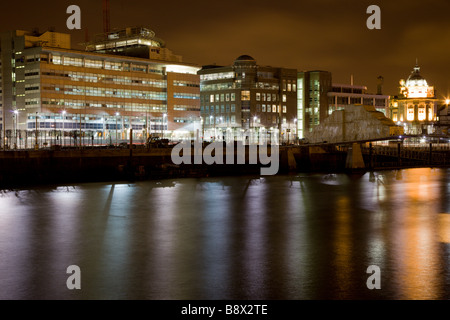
246, 99
312, 105
342, 95
98, 94
318, 98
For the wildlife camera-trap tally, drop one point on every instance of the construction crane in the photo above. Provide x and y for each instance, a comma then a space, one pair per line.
106, 26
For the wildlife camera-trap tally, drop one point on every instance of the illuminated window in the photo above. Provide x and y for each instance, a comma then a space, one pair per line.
268, 97
274, 108
430, 114
421, 114
258, 96
233, 97
289, 87
222, 97
233, 108
284, 98
211, 98
284, 109
394, 117
217, 97
263, 108
263, 97
56, 59
227, 97
410, 114
245, 95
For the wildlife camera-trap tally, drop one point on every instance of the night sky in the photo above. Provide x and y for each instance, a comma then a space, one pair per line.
307, 35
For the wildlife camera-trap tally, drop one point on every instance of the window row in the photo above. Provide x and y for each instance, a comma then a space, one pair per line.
102, 64
106, 92
180, 83
103, 78
184, 95
82, 104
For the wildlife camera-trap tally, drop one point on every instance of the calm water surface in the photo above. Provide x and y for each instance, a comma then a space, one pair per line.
281, 237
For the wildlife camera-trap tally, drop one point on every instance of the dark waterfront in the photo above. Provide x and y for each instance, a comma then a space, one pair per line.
304, 236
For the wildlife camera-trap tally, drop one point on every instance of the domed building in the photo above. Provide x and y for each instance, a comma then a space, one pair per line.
415, 106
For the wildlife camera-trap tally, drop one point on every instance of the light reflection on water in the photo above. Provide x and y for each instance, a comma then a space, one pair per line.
283, 237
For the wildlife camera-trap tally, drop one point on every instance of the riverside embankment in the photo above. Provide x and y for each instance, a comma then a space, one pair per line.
40, 167
30, 167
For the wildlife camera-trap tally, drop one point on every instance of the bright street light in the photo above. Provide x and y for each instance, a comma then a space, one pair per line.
64, 129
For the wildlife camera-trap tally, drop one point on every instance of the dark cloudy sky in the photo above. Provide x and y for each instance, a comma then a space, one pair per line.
307, 35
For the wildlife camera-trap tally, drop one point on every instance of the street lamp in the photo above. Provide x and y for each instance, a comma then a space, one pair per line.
254, 125
295, 128
16, 113
203, 128
220, 129
36, 145
64, 128
211, 121
117, 115
163, 125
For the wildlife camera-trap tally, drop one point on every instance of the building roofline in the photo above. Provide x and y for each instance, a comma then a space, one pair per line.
116, 57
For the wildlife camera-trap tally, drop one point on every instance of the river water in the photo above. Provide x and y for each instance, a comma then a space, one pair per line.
303, 236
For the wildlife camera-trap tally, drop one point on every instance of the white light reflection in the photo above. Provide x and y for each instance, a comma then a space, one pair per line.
254, 251
298, 261
216, 216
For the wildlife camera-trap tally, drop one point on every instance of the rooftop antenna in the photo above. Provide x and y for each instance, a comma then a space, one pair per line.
106, 27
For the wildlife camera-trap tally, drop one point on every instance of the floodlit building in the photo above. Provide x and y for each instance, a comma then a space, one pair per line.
124, 80
318, 98
247, 99
312, 104
416, 105
342, 95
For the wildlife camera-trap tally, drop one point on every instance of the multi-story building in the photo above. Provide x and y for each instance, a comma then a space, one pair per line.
416, 105
312, 105
99, 94
245, 99
342, 95
318, 98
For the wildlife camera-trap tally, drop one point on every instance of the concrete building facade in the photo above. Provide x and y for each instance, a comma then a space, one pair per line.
100, 96
318, 97
342, 95
312, 104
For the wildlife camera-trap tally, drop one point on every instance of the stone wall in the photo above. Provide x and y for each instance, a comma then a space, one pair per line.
355, 122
